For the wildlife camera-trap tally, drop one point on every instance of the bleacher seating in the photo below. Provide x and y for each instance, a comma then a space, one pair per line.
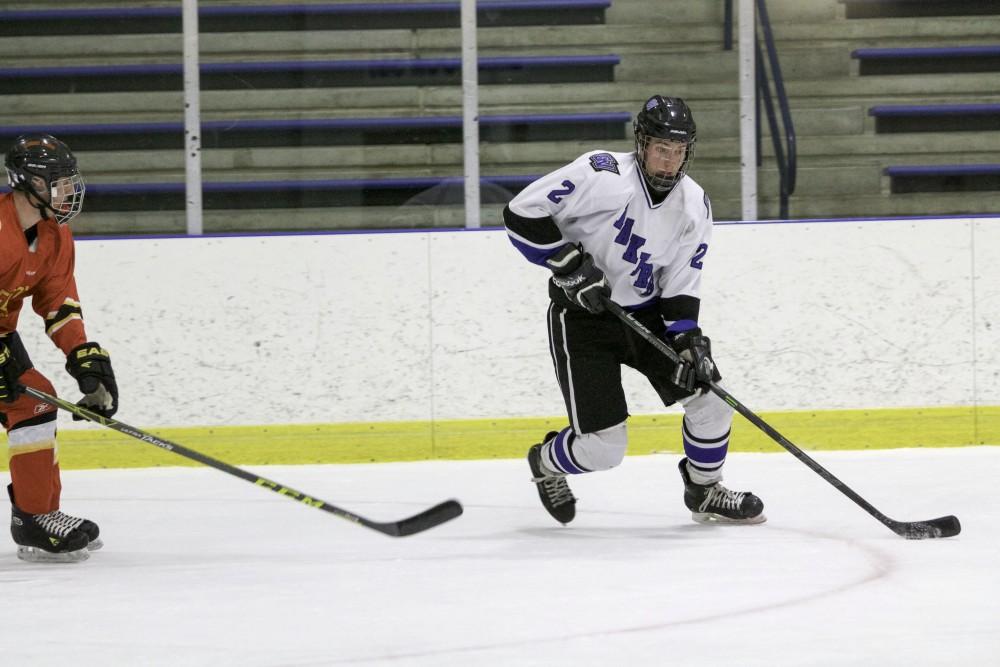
864, 9
267, 133
935, 118
928, 60
891, 118
944, 178
105, 146
305, 74
513, 128
259, 195
321, 16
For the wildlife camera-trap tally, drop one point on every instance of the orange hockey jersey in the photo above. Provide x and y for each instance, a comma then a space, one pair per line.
43, 271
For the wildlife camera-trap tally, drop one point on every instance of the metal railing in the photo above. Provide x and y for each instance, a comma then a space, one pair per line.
783, 137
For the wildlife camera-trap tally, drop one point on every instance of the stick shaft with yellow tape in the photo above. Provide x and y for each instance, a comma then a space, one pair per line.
417, 523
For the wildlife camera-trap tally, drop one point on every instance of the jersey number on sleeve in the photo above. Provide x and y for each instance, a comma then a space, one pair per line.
556, 195
699, 254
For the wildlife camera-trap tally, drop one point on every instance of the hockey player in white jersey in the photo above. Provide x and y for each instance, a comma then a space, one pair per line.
632, 227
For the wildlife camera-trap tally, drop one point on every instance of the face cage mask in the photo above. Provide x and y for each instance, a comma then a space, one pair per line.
661, 181
66, 191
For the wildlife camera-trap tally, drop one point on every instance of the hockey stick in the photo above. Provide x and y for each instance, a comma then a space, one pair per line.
417, 523
945, 526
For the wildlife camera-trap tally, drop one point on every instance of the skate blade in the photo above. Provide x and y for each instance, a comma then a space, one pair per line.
710, 518
95, 545
36, 555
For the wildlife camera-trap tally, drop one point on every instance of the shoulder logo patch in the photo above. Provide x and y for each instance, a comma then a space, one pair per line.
604, 162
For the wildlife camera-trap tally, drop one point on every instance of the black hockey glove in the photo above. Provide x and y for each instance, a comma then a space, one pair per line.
697, 368
90, 364
573, 271
11, 369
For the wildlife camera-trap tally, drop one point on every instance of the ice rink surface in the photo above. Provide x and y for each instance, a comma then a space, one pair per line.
201, 568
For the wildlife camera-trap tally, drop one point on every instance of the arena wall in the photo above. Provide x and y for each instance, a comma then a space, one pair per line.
432, 332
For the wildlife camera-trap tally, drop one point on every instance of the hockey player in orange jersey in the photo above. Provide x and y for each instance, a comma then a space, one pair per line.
37, 260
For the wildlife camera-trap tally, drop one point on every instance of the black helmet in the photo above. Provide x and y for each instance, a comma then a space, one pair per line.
664, 118
45, 157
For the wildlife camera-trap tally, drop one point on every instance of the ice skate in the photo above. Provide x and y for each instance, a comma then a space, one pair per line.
87, 526
714, 503
553, 490
53, 537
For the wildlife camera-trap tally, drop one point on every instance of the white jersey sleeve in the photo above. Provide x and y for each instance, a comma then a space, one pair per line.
544, 213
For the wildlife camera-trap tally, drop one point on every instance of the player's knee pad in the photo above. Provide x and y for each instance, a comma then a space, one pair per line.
708, 416
32, 435
601, 450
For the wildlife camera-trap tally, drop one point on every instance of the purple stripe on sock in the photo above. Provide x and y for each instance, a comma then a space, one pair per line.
560, 448
706, 456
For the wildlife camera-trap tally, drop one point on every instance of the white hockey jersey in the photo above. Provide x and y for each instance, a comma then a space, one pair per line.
647, 251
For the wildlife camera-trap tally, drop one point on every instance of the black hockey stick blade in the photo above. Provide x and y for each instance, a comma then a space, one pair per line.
944, 526
417, 523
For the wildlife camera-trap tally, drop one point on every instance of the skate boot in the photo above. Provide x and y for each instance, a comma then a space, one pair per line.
714, 503
552, 487
89, 528
52, 537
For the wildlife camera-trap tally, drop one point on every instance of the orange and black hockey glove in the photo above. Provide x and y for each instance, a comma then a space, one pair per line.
90, 364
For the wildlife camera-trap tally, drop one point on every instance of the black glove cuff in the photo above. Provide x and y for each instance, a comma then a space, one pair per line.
80, 359
684, 340
567, 260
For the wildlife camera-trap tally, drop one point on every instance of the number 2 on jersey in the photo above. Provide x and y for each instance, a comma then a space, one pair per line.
556, 195
699, 254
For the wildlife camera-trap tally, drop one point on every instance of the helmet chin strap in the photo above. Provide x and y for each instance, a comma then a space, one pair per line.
657, 190
43, 207
651, 180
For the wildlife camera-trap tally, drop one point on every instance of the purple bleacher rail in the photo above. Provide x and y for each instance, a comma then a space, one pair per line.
303, 66
928, 52
292, 9
315, 124
933, 109
943, 170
